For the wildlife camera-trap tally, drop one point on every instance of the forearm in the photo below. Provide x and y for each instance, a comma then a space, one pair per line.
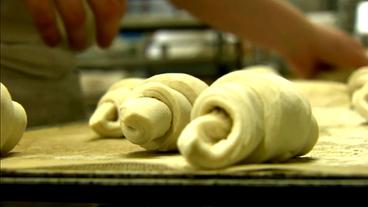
273, 24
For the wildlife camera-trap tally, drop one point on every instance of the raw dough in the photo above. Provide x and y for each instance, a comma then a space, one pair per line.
13, 121
261, 69
358, 88
315, 91
158, 110
357, 79
105, 119
248, 117
360, 101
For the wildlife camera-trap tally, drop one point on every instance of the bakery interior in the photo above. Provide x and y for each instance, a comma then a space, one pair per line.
64, 161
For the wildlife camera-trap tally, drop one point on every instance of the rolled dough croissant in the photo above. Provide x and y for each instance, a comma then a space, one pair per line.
358, 88
13, 121
248, 117
357, 79
105, 119
158, 110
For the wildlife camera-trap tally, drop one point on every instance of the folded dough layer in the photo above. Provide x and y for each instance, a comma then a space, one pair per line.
13, 122
248, 117
158, 110
105, 119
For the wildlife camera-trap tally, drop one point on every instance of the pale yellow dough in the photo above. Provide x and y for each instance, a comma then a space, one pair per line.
248, 117
148, 112
157, 110
358, 89
13, 122
105, 119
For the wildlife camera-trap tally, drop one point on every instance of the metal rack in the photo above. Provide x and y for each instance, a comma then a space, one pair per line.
148, 25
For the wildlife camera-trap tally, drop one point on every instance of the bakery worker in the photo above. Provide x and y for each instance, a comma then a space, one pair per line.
39, 37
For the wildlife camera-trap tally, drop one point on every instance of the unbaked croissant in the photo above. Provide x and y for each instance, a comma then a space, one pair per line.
248, 117
358, 89
13, 121
158, 110
105, 119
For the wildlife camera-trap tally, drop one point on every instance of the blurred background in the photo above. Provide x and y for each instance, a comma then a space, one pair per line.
155, 37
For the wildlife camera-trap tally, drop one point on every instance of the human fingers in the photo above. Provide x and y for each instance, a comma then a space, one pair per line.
340, 49
107, 17
42, 12
74, 20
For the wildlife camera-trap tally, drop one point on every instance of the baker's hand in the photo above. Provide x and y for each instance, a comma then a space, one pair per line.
328, 48
107, 14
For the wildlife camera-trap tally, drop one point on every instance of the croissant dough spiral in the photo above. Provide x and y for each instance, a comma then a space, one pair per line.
105, 119
13, 121
158, 110
248, 117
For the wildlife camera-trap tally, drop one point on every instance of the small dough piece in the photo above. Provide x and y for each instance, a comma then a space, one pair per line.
105, 119
248, 117
158, 110
185, 84
154, 118
13, 122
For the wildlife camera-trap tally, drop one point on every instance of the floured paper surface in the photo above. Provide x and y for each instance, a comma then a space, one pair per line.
342, 150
